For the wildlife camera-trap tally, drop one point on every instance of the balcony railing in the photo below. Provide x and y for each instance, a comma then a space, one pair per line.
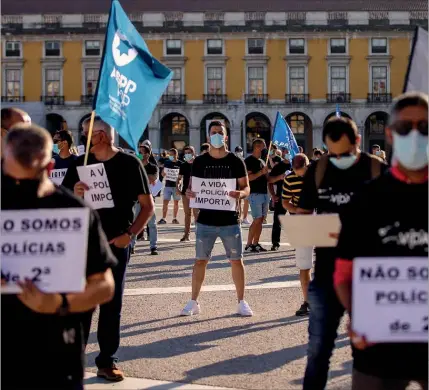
338, 97
215, 99
256, 98
296, 98
86, 100
173, 99
52, 100
12, 99
379, 98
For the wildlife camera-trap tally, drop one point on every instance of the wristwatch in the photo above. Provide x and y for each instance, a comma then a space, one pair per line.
132, 235
64, 309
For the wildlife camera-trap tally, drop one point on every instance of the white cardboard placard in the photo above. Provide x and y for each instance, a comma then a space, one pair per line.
212, 194
171, 174
57, 175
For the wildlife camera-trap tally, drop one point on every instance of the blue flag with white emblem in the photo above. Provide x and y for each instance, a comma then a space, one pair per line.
283, 136
131, 80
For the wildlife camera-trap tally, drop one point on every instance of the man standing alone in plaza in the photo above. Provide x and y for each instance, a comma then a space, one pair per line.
258, 199
129, 184
217, 165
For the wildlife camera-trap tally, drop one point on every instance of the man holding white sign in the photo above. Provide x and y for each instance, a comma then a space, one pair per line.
124, 181
218, 180
388, 267
56, 262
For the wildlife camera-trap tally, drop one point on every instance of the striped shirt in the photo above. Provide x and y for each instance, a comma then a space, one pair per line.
292, 187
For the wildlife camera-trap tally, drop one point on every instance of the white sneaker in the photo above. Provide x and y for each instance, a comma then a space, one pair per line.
191, 308
244, 309
245, 221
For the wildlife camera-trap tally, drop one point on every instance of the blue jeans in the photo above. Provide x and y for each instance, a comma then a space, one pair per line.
259, 205
325, 315
152, 228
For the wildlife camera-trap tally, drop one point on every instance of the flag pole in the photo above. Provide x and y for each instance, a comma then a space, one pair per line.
88, 141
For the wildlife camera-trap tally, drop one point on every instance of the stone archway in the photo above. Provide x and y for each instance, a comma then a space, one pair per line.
257, 126
174, 131
375, 126
302, 128
55, 122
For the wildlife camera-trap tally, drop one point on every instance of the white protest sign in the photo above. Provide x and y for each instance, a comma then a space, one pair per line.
99, 195
81, 150
390, 299
212, 194
156, 187
171, 174
47, 246
57, 175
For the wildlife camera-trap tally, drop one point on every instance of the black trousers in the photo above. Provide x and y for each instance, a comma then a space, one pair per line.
109, 321
277, 227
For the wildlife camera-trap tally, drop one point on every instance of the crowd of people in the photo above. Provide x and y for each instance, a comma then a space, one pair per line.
339, 179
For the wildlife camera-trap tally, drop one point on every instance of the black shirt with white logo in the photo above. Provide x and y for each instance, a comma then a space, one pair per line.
127, 180
185, 171
334, 193
228, 167
376, 225
172, 165
41, 342
254, 165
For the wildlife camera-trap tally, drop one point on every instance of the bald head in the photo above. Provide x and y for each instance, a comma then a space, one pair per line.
11, 116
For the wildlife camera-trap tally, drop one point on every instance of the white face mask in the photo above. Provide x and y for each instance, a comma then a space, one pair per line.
239, 154
411, 150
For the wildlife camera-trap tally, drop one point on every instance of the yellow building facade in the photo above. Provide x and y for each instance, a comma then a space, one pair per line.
241, 75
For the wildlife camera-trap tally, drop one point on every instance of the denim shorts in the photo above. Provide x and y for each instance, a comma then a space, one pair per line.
259, 205
206, 236
171, 192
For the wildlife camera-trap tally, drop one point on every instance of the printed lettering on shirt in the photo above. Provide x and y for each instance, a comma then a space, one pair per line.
338, 199
410, 238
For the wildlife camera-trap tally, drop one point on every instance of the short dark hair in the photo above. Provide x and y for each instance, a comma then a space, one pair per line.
376, 146
317, 152
274, 147
300, 161
238, 149
174, 150
65, 135
258, 141
205, 147
216, 123
335, 128
189, 147
409, 99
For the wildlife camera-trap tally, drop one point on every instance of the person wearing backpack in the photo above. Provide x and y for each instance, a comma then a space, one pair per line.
328, 186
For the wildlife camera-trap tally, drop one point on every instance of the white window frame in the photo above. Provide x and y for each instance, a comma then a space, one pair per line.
21, 79
182, 80
44, 48
206, 49
264, 48
84, 48
84, 78
305, 75
347, 77
379, 54
182, 48
20, 49
206, 91
379, 65
264, 67
44, 70
338, 54
296, 54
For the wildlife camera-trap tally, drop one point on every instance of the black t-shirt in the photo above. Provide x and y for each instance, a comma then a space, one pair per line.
62, 163
334, 193
374, 226
127, 180
151, 169
254, 165
172, 165
276, 159
35, 341
278, 170
185, 171
228, 167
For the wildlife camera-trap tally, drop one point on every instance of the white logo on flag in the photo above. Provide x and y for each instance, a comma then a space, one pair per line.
122, 59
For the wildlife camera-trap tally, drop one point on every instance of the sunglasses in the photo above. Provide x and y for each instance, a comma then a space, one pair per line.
404, 127
345, 154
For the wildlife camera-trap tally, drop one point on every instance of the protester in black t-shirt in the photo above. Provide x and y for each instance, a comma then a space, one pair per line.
205, 148
216, 165
34, 324
170, 173
399, 232
328, 185
273, 157
64, 140
258, 198
183, 183
275, 184
129, 184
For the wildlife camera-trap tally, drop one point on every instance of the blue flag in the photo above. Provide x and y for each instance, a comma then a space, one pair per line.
131, 81
337, 111
283, 136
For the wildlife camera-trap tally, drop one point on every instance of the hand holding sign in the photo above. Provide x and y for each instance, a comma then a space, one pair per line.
37, 300
235, 194
79, 189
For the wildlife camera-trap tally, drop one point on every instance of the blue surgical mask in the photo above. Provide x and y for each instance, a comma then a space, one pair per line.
171, 158
56, 149
188, 157
411, 150
217, 140
271, 152
288, 156
343, 162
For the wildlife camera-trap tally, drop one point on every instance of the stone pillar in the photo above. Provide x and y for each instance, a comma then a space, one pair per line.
235, 137
154, 138
317, 137
194, 138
